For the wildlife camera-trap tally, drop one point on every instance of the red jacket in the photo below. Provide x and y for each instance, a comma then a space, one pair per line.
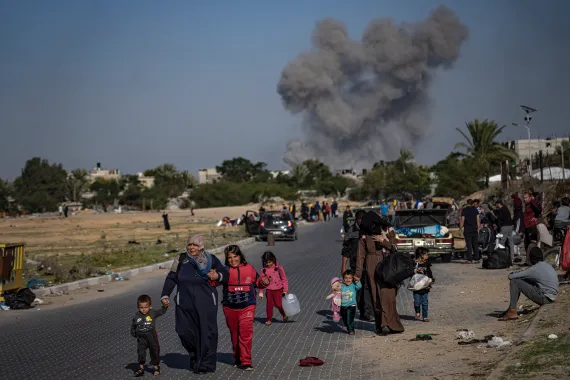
529, 214
239, 291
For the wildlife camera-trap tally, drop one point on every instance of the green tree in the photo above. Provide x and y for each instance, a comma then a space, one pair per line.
404, 159
483, 149
77, 182
5, 193
41, 186
455, 177
106, 191
133, 191
240, 169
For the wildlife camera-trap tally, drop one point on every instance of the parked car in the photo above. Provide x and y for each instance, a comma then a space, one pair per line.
416, 228
280, 224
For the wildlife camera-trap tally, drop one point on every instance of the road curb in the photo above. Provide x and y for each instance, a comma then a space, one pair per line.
67, 287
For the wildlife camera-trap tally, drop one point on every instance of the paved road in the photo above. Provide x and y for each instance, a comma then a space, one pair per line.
92, 341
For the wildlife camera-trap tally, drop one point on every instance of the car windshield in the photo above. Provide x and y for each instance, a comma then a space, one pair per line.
276, 218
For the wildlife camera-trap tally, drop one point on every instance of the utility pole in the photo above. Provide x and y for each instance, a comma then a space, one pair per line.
527, 119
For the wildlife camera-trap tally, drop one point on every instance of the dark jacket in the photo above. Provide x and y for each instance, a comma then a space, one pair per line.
503, 217
350, 245
425, 268
145, 323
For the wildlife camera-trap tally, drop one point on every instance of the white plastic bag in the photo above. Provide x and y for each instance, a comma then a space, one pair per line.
419, 282
291, 305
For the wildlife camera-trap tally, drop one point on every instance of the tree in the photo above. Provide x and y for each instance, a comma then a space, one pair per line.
404, 159
77, 182
133, 191
106, 191
41, 186
239, 169
455, 177
482, 148
5, 193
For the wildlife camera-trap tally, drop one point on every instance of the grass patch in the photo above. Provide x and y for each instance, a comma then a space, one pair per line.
110, 257
540, 356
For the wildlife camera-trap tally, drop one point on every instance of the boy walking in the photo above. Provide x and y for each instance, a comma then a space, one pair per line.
348, 300
143, 328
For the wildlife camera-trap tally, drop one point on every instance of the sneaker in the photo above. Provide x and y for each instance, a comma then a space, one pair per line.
247, 367
351, 333
268, 323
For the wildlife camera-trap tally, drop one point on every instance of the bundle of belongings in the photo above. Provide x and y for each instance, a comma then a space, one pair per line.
436, 230
492, 248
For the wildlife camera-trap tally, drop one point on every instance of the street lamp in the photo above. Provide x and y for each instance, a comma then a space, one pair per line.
527, 119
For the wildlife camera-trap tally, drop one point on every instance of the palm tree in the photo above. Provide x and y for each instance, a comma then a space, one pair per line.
405, 157
300, 174
77, 183
481, 146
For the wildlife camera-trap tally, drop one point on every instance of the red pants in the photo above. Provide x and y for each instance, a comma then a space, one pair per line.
274, 299
240, 323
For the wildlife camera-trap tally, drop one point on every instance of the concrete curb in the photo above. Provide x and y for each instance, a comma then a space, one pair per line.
126, 274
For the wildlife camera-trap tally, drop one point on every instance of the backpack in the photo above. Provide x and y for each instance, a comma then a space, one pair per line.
484, 238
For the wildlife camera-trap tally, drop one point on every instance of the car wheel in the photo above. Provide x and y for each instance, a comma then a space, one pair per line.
446, 258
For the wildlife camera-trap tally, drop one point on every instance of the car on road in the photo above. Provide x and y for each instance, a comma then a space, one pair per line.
424, 228
279, 223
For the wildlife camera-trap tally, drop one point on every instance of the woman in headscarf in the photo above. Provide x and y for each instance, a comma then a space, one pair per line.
374, 246
194, 275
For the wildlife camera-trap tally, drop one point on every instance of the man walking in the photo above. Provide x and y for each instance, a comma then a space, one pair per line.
505, 223
470, 223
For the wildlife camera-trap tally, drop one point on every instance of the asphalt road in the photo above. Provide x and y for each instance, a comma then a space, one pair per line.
92, 340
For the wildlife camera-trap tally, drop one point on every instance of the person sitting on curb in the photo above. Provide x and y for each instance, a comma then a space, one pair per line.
539, 283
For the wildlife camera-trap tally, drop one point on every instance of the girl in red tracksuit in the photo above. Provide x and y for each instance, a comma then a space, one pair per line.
277, 288
239, 304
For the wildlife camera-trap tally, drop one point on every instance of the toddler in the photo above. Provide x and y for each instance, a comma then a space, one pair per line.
277, 288
143, 328
348, 300
423, 266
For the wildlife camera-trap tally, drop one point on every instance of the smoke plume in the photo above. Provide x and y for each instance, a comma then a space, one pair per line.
363, 101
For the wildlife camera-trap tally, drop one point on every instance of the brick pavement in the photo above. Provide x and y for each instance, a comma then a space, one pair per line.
92, 341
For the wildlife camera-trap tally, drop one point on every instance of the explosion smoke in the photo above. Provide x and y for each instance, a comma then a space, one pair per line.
362, 102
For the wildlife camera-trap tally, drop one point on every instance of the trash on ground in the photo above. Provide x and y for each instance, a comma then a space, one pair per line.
465, 334
3, 306
32, 262
311, 361
133, 242
499, 343
158, 241
422, 337
118, 277
100, 290
553, 336
36, 284
38, 301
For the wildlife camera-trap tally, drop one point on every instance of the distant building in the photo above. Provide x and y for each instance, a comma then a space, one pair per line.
208, 176
106, 174
146, 181
532, 147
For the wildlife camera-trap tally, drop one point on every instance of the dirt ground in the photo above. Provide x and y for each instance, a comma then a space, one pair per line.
469, 299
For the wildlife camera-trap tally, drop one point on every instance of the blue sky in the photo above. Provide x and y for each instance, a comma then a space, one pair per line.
134, 83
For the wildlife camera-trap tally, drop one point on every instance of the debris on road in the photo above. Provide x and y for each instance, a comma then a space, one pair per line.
498, 343
465, 334
553, 336
36, 284
420, 337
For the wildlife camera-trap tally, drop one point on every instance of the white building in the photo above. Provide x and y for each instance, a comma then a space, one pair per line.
208, 176
106, 174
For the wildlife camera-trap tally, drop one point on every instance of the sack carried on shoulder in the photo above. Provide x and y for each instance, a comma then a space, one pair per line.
395, 268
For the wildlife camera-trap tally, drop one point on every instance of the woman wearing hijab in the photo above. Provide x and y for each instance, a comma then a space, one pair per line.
196, 302
374, 246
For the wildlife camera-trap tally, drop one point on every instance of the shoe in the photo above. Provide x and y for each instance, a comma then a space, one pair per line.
247, 367
268, 323
139, 372
351, 333
285, 319
425, 319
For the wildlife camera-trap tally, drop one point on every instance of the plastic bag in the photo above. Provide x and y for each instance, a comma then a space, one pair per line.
291, 305
419, 281
395, 268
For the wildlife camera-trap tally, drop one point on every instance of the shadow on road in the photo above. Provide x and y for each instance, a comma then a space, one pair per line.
132, 367
176, 360
330, 327
226, 358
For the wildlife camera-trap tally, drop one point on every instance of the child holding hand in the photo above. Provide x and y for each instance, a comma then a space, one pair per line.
277, 288
348, 300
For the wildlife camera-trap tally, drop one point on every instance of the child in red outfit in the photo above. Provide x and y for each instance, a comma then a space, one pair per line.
277, 288
239, 304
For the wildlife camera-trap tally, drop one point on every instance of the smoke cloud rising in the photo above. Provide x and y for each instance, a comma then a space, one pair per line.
363, 101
